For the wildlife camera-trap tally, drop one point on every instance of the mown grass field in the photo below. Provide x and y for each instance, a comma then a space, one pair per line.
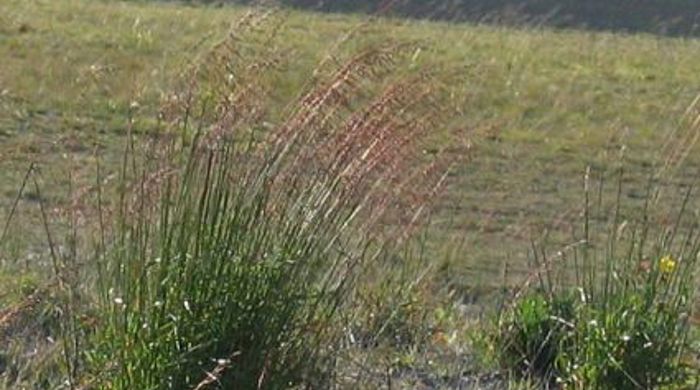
536, 107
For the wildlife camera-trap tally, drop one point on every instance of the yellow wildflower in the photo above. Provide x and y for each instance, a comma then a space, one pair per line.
667, 264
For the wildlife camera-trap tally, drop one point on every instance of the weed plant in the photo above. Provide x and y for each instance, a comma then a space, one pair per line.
610, 316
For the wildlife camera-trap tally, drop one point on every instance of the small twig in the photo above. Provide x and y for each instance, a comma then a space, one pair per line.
218, 371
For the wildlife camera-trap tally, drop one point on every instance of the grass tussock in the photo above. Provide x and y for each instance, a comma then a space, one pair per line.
235, 249
614, 310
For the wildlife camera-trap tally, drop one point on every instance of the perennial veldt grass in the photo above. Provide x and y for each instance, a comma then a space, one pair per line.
239, 243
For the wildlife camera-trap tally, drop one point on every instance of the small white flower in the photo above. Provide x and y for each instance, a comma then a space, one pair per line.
626, 338
158, 303
118, 301
582, 294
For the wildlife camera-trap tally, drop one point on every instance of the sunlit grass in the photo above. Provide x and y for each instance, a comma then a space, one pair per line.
533, 108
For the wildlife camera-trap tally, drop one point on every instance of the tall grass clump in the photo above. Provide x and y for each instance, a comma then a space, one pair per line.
241, 236
614, 309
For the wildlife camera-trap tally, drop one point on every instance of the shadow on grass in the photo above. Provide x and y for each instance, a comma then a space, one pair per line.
660, 17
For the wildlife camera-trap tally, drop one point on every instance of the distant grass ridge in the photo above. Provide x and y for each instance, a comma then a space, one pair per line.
670, 18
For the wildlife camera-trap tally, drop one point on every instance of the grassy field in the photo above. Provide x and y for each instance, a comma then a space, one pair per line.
549, 103
533, 108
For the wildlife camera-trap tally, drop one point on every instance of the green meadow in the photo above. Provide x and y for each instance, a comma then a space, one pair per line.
541, 137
